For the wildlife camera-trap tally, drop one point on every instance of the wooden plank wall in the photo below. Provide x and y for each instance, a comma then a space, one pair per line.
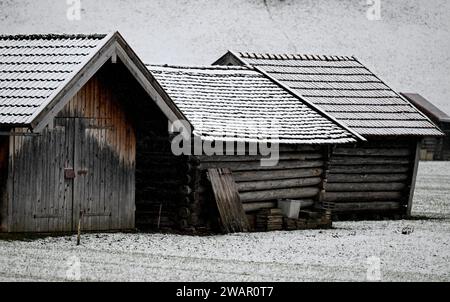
4, 158
37, 182
104, 155
91, 135
374, 176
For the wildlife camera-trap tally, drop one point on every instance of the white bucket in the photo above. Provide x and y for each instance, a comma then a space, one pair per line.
289, 207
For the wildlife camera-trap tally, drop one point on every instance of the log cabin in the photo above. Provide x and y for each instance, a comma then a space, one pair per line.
374, 178
432, 147
219, 101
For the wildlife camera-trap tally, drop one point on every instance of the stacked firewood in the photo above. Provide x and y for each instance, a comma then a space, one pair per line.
308, 220
269, 220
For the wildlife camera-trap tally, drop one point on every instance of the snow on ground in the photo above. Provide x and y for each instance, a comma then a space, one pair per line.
339, 254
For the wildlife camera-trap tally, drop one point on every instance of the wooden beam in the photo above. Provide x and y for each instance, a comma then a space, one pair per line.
366, 177
364, 169
361, 196
364, 186
413, 179
114, 58
366, 206
291, 193
275, 174
256, 165
255, 206
277, 184
364, 160
236, 158
371, 152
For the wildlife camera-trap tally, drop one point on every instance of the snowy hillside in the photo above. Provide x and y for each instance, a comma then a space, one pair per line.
408, 47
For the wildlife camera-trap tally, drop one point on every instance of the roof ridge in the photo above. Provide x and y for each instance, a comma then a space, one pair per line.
295, 56
52, 36
200, 67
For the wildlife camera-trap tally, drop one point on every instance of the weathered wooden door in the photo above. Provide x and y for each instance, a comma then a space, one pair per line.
104, 181
41, 196
92, 188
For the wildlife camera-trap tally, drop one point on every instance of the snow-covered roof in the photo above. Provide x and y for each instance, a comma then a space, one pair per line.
39, 74
220, 101
345, 89
33, 67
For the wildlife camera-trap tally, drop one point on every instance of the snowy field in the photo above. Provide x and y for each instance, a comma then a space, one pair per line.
339, 254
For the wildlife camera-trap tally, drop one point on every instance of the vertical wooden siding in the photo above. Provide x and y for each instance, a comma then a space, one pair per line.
92, 136
4, 158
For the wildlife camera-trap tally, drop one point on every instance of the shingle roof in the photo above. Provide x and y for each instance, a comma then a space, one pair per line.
346, 90
223, 100
33, 67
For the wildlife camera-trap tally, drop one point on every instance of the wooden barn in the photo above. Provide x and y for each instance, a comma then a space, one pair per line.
72, 108
371, 178
219, 101
432, 147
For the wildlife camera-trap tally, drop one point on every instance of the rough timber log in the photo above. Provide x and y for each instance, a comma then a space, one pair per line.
308, 192
361, 160
276, 174
277, 184
358, 187
366, 177
369, 169
372, 152
356, 196
366, 206
237, 158
255, 206
256, 165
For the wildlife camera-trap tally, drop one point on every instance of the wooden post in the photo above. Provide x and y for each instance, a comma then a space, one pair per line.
79, 227
159, 215
413, 179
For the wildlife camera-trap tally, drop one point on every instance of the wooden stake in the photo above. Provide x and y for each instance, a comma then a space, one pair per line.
159, 214
79, 228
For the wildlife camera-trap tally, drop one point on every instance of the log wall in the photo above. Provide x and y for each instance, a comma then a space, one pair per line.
370, 177
298, 175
